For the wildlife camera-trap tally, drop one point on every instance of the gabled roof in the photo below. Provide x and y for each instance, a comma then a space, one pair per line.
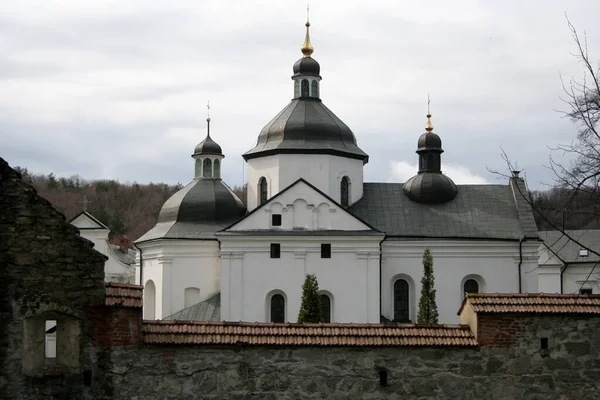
294, 334
532, 303
94, 222
477, 212
567, 250
281, 193
206, 310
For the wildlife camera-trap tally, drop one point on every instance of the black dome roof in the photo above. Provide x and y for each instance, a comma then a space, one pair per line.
203, 201
306, 126
208, 146
430, 188
429, 141
307, 66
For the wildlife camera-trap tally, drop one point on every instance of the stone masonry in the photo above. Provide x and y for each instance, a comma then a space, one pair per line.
47, 272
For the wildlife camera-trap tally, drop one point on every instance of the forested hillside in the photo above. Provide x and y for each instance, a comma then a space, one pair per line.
126, 208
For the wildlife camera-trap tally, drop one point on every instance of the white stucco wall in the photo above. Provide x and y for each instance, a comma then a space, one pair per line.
323, 171
577, 276
250, 276
174, 265
114, 270
494, 264
301, 207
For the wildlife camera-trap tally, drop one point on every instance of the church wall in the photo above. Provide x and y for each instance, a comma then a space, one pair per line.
493, 264
174, 265
575, 275
323, 171
350, 276
257, 168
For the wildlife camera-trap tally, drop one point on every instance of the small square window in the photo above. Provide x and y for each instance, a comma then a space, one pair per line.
583, 253
585, 291
275, 250
325, 250
544, 343
276, 219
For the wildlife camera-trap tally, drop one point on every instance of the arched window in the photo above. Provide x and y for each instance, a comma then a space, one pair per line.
305, 88
217, 168
191, 296
207, 168
198, 168
314, 88
262, 191
296, 89
401, 301
277, 308
149, 300
345, 191
326, 308
471, 286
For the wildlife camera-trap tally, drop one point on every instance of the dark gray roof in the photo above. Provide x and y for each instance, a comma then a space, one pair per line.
567, 250
197, 211
307, 66
478, 212
207, 310
306, 126
430, 187
128, 258
208, 146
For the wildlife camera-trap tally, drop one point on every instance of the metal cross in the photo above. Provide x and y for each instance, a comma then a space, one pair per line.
85, 202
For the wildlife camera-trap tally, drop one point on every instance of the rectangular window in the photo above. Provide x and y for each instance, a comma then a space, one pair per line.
544, 343
585, 291
50, 330
325, 250
276, 219
275, 250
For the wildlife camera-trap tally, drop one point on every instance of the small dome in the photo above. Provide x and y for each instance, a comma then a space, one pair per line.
208, 202
307, 66
430, 188
209, 147
429, 141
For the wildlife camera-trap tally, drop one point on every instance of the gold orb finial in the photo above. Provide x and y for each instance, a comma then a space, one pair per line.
307, 48
429, 126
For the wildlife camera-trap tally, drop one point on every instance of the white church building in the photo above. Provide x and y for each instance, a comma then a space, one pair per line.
309, 211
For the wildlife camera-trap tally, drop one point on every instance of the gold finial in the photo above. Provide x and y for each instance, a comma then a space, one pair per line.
307, 48
208, 114
429, 126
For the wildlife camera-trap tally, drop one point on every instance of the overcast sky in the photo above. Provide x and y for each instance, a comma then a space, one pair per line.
118, 89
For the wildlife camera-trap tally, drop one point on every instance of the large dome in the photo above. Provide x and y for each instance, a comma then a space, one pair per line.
430, 188
197, 211
306, 126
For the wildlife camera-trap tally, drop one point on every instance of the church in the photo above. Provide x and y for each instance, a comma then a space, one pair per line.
309, 211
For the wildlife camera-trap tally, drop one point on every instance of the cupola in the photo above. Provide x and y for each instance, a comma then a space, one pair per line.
430, 186
208, 156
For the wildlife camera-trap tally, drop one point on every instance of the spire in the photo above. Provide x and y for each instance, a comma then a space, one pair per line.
307, 48
429, 126
208, 119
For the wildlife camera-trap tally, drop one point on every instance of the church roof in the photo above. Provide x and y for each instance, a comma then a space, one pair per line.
197, 211
92, 222
477, 212
306, 126
567, 250
207, 310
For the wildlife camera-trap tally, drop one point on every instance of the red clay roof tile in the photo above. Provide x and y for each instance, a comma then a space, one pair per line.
123, 295
532, 303
363, 335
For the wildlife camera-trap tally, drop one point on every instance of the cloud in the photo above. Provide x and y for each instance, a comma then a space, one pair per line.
401, 171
